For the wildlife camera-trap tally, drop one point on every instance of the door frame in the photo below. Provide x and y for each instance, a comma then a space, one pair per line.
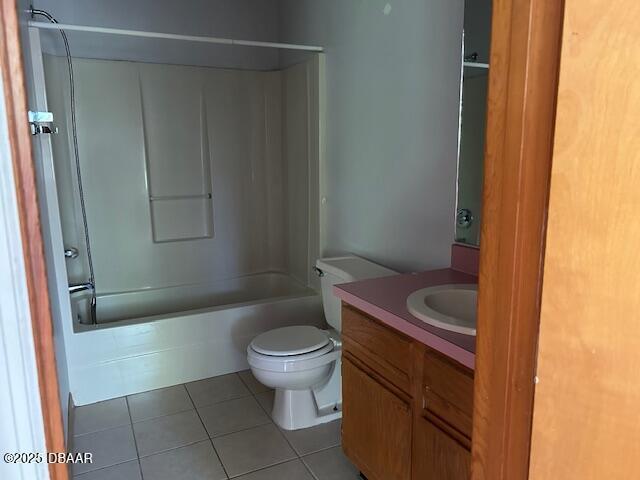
523, 86
14, 92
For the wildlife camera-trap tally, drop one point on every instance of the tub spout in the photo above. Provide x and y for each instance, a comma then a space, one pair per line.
80, 287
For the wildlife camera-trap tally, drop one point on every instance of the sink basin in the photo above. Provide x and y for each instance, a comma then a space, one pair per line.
450, 307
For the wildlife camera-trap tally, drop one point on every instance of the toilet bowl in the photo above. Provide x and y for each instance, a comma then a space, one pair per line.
302, 363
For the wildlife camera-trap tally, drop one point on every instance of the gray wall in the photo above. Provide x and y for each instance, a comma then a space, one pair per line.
393, 76
241, 19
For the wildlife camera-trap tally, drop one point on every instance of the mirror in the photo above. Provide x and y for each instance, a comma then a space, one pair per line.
476, 40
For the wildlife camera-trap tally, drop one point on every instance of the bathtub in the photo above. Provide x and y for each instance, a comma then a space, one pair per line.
155, 338
148, 304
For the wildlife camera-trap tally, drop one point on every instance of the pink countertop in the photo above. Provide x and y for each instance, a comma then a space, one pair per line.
385, 299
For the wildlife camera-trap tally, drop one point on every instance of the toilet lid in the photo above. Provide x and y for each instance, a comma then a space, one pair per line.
287, 341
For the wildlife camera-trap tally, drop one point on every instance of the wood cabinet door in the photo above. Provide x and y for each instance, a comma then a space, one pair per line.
376, 426
437, 456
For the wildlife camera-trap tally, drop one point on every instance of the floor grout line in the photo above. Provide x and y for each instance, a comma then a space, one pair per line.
103, 429
207, 432
161, 416
222, 401
241, 430
315, 477
321, 450
135, 441
79, 476
195, 442
244, 383
255, 397
268, 466
288, 442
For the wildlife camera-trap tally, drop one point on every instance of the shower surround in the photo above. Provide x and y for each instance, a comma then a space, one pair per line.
202, 197
191, 174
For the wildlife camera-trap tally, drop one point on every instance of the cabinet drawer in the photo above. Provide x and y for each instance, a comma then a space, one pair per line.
381, 348
448, 391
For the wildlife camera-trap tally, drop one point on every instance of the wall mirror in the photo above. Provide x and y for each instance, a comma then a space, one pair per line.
475, 76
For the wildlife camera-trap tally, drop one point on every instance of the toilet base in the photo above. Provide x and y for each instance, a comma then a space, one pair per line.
296, 409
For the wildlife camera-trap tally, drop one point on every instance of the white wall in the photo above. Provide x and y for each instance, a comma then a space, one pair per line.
242, 19
21, 423
391, 124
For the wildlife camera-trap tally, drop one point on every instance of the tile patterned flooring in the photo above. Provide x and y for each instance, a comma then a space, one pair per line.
213, 429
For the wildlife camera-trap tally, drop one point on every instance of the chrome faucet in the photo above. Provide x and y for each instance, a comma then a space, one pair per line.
80, 287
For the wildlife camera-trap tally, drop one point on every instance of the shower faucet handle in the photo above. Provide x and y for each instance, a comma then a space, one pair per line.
37, 129
464, 218
41, 122
81, 287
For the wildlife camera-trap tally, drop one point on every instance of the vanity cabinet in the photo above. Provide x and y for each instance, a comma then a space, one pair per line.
442, 433
437, 455
377, 433
407, 409
377, 405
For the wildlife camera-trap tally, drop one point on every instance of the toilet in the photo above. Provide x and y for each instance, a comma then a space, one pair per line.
302, 363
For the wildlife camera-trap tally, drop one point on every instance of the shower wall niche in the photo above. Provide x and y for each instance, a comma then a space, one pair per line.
191, 175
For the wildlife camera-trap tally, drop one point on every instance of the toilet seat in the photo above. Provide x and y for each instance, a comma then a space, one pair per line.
294, 363
297, 340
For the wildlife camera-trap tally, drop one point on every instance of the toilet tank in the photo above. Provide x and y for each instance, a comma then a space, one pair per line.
344, 270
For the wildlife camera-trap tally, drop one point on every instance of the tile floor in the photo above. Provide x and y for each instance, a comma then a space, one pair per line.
212, 429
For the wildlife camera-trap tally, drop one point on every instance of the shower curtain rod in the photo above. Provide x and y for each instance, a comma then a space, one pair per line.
173, 36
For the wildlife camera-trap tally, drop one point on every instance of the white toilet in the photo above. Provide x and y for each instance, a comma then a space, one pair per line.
302, 363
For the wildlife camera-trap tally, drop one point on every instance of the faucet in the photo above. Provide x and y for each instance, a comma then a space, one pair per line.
80, 287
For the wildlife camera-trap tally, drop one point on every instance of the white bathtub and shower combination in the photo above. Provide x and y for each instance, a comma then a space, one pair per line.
201, 211
156, 338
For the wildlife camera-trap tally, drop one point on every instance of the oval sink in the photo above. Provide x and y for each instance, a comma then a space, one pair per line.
450, 307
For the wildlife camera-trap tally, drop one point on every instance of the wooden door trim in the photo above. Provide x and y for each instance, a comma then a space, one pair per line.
15, 97
523, 84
